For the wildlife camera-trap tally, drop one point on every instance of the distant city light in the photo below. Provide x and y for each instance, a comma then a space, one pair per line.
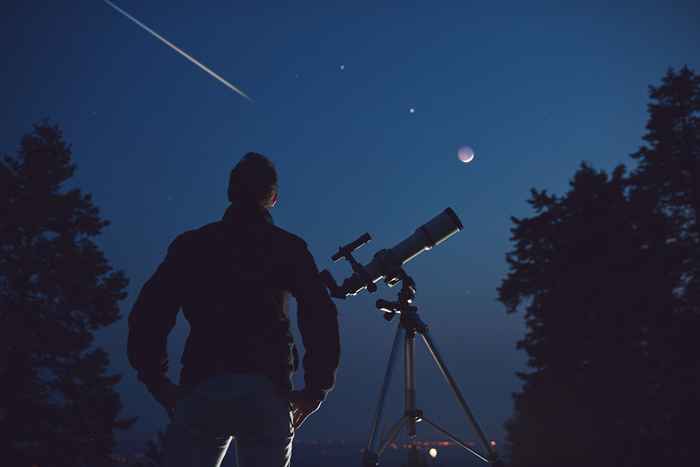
433, 453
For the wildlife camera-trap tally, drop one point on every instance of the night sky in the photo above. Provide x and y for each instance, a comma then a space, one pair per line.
534, 87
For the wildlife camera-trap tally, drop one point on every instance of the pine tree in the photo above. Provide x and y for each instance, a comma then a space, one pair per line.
58, 405
605, 275
669, 164
669, 176
155, 450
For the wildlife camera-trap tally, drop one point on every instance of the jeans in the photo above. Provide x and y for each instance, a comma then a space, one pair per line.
242, 407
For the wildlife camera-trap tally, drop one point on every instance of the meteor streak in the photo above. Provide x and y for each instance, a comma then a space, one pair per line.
178, 50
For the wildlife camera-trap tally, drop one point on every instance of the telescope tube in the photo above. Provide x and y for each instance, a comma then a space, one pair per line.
386, 262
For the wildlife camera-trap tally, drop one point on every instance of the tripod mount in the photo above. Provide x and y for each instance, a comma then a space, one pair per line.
411, 325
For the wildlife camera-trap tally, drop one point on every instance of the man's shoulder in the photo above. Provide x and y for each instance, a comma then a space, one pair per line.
288, 236
189, 237
217, 228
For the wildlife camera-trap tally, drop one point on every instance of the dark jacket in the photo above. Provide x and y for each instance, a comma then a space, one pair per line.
232, 279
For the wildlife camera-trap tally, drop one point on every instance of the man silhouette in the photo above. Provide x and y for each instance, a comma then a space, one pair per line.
232, 278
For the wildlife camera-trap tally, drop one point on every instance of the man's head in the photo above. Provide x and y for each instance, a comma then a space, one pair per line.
253, 181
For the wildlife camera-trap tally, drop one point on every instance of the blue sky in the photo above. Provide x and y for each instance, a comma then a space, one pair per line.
534, 88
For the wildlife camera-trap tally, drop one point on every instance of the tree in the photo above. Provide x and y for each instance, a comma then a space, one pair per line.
669, 175
669, 164
58, 406
155, 449
602, 274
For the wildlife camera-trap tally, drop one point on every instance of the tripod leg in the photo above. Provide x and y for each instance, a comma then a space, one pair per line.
393, 433
371, 458
385, 388
410, 383
455, 389
458, 441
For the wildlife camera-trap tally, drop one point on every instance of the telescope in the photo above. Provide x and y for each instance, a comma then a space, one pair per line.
386, 264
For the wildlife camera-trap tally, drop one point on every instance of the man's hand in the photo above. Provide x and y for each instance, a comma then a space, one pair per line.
166, 393
302, 407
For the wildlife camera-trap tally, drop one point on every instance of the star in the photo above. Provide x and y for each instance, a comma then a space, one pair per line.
342, 67
412, 110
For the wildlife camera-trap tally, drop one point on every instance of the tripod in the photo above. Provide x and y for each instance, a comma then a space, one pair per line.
409, 326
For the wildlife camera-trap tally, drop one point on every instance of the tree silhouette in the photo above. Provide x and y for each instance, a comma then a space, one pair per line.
669, 164
155, 449
669, 175
58, 406
604, 274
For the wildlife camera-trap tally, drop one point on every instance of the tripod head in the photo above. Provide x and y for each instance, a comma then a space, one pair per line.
404, 303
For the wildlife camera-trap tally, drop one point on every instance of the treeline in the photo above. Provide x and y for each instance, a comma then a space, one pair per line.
608, 279
58, 404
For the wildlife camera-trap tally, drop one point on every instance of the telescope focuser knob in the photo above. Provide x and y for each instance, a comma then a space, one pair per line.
389, 309
386, 306
371, 287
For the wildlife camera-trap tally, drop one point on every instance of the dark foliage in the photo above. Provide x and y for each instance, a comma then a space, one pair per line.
607, 276
58, 406
155, 449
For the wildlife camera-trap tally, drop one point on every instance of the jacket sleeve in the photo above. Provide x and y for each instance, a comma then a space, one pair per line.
318, 324
153, 317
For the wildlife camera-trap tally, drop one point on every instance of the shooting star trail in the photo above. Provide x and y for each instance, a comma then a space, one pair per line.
178, 50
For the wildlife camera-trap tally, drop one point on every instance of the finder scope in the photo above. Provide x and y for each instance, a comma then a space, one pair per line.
387, 263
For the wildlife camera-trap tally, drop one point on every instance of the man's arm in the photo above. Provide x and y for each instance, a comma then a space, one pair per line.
153, 317
318, 324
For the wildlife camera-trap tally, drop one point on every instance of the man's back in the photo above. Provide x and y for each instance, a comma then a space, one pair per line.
232, 279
